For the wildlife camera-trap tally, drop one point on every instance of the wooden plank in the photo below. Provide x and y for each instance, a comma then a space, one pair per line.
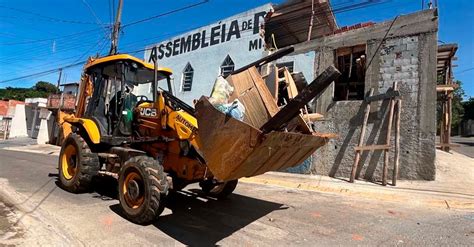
256, 112
388, 95
449, 106
299, 80
446, 87
265, 94
292, 109
312, 117
372, 147
272, 82
298, 124
389, 135
397, 143
291, 86
361, 139
274, 56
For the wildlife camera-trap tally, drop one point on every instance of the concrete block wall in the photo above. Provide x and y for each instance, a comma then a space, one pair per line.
401, 60
407, 56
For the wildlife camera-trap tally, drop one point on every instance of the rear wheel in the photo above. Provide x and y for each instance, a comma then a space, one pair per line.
142, 189
218, 190
77, 164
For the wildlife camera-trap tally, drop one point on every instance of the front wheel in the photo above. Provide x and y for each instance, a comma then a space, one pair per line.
77, 164
142, 189
219, 190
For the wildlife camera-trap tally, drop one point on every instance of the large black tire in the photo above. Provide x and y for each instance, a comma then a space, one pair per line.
143, 187
77, 164
219, 190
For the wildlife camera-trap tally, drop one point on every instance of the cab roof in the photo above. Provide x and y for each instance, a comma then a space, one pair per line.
125, 57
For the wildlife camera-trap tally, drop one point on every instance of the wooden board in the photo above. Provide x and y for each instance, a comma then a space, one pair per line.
372, 147
267, 98
291, 86
256, 113
272, 81
312, 117
292, 109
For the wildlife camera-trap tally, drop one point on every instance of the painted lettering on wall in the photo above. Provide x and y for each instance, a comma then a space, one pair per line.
221, 33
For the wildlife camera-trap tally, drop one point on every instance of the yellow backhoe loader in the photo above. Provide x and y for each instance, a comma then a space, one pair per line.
129, 125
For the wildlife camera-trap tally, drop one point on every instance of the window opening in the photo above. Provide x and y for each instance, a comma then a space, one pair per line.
350, 61
188, 74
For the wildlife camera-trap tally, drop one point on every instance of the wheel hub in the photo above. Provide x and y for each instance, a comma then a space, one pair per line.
69, 162
133, 190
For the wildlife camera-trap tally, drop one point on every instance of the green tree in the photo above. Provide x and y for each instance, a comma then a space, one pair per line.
457, 109
44, 86
41, 89
468, 109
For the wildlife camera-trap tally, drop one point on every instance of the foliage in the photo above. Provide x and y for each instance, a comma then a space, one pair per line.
468, 109
457, 110
43, 86
41, 89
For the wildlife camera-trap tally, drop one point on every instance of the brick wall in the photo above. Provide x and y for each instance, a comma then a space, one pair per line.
7, 107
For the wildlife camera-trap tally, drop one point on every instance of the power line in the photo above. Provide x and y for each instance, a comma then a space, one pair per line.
92, 12
98, 21
39, 52
43, 72
110, 11
51, 39
464, 71
54, 19
166, 13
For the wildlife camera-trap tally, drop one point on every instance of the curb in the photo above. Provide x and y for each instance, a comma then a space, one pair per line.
365, 191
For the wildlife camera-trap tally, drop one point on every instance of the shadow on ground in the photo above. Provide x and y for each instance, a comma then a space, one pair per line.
197, 220
470, 144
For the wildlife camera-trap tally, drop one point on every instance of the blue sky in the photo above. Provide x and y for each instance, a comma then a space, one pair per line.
41, 35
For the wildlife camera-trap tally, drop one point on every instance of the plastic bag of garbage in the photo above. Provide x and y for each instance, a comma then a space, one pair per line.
221, 91
234, 109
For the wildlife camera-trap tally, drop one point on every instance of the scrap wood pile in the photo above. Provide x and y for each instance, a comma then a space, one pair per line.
245, 133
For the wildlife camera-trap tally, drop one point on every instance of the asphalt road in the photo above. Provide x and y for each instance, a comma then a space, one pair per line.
256, 215
466, 145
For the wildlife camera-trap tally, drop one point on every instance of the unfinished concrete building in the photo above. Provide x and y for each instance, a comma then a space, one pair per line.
374, 56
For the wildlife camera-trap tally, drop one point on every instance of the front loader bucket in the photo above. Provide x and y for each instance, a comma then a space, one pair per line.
234, 149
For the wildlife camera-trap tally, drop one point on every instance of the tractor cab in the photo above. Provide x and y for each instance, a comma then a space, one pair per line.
119, 84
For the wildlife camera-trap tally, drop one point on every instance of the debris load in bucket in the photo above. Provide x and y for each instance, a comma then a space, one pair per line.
262, 141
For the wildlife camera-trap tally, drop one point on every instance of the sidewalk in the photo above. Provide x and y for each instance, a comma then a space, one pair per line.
37, 148
452, 189
17, 142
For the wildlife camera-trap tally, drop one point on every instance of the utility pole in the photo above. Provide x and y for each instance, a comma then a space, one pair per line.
116, 30
59, 79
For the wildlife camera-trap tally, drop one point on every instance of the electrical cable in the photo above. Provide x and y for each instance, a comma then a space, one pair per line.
51, 39
47, 17
381, 43
43, 72
166, 13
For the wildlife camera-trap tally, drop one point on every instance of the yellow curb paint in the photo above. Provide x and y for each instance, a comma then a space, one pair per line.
378, 195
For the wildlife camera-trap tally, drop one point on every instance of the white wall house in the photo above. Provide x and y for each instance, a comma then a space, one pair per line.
199, 56
71, 88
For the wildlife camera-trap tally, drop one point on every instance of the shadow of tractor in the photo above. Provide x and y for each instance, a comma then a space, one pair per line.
203, 221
